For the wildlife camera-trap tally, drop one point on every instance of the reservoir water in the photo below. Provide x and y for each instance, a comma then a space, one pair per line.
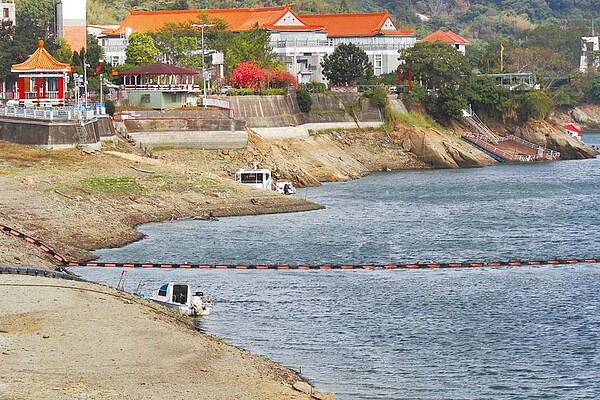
480, 333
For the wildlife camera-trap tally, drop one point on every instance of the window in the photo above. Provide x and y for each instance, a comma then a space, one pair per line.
163, 290
174, 98
5, 12
377, 61
145, 98
115, 60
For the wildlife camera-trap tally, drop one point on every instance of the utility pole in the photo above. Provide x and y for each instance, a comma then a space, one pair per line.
204, 71
100, 91
85, 82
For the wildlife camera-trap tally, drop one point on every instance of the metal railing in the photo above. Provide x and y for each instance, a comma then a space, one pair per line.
68, 113
542, 152
165, 88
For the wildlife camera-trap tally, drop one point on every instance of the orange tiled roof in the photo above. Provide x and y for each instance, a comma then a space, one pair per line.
447, 37
238, 19
40, 60
367, 24
242, 19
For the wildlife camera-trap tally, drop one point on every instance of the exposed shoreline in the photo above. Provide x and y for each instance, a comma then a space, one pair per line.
77, 203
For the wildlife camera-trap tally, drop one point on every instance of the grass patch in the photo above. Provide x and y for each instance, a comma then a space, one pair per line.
163, 148
374, 149
162, 183
416, 119
339, 111
112, 185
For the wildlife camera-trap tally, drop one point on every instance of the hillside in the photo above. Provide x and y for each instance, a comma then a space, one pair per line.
458, 14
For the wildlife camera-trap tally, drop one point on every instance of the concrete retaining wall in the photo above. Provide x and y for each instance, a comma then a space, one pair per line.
189, 133
210, 140
283, 111
52, 134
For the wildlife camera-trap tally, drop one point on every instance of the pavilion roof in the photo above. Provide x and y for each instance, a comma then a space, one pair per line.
158, 68
41, 61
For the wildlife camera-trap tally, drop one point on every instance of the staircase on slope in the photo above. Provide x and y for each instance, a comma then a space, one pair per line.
504, 149
84, 138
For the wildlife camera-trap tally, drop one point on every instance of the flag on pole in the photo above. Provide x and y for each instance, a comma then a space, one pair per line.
501, 46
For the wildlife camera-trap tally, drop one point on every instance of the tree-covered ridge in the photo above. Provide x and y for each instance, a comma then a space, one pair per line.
462, 12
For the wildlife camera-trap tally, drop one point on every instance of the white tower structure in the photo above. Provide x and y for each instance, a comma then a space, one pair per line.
71, 22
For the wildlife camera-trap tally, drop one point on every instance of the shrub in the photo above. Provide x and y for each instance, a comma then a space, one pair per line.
378, 96
304, 100
110, 107
273, 92
314, 87
240, 92
535, 104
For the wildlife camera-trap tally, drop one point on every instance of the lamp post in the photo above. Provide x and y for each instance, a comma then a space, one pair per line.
85, 82
202, 26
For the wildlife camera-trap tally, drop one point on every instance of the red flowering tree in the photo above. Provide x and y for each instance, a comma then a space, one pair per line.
247, 74
282, 79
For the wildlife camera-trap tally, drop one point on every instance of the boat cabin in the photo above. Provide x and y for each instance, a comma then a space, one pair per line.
258, 178
178, 293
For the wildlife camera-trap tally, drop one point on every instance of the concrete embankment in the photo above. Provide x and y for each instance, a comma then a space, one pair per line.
54, 134
272, 117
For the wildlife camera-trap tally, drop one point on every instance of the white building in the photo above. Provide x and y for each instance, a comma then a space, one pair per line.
7, 8
300, 41
71, 21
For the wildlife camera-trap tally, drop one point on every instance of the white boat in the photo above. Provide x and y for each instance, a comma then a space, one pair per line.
179, 297
255, 177
285, 186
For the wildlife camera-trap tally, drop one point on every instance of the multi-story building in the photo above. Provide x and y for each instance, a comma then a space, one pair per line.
7, 8
300, 41
71, 23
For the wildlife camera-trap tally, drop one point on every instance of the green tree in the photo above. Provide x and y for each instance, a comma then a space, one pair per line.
546, 64
346, 65
304, 100
536, 104
141, 49
62, 51
437, 64
595, 90
448, 103
37, 16
251, 45
486, 97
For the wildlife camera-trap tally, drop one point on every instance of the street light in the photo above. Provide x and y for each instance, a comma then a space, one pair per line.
202, 26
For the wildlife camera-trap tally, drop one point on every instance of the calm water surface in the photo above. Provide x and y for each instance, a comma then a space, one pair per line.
489, 333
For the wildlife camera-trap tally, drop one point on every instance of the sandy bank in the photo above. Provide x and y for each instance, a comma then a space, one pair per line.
67, 340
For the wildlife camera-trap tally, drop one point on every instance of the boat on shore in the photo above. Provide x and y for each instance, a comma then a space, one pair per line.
262, 178
179, 296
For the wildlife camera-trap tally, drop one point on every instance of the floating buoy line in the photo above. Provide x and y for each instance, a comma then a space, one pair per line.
421, 265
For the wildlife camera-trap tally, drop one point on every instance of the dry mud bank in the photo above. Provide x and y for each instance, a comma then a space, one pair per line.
74, 340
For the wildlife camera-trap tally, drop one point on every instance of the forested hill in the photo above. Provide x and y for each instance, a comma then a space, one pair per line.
454, 13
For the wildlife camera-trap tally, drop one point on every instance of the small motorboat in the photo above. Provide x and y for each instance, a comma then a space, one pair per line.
260, 178
179, 297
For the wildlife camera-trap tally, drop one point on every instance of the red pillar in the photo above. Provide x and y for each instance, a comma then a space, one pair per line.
21, 84
61, 89
409, 80
37, 89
